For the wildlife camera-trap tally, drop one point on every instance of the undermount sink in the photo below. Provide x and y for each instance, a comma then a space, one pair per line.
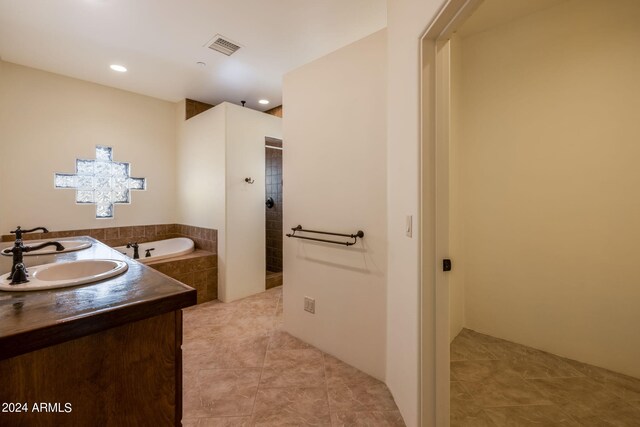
64, 274
69, 246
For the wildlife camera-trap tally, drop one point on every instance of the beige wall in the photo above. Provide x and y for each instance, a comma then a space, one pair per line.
549, 181
456, 210
334, 174
217, 150
47, 121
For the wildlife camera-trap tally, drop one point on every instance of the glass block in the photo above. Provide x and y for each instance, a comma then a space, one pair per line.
101, 183
84, 196
104, 210
62, 180
84, 167
103, 153
103, 197
119, 183
120, 170
137, 183
120, 196
102, 168
85, 182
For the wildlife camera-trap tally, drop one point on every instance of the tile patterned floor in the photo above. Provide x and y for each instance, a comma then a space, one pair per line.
499, 383
241, 369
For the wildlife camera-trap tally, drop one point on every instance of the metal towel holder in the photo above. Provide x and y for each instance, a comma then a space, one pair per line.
359, 234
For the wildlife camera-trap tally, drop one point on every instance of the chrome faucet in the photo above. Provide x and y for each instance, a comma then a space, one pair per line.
18, 273
135, 247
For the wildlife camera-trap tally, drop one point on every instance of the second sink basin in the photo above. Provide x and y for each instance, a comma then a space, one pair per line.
64, 274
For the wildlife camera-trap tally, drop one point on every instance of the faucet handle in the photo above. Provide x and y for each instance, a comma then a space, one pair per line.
18, 232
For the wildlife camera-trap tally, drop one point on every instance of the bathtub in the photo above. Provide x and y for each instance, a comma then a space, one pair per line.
162, 249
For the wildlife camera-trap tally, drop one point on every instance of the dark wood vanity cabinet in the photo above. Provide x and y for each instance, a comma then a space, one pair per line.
107, 354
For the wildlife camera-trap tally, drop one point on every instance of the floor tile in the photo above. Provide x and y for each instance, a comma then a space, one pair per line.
566, 390
363, 396
457, 391
468, 414
293, 368
222, 392
229, 353
339, 372
241, 369
281, 340
225, 422
543, 365
465, 348
547, 416
623, 386
553, 391
613, 413
292, 406
499, 392
367, 419
480, 370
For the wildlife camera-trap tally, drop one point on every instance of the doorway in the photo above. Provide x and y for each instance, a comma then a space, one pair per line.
527, 172
273, 212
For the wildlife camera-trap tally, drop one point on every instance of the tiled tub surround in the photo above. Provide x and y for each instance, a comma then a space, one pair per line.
204, 238
241, 369
198, 269
499, 383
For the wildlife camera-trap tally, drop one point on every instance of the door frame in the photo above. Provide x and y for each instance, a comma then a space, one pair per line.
434, 218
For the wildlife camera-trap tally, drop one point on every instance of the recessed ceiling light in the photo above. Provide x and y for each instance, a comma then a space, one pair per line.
202, 64
118, 68
263, 102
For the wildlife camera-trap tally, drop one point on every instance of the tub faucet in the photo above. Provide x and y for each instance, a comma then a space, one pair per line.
19, 231
18, 273
135, 247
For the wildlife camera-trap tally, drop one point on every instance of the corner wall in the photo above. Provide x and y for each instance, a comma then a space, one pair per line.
201, 183
334, 174
48, 120
246, 241
217, 150
407, 21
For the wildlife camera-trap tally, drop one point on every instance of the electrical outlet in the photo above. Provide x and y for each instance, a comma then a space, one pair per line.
309, 305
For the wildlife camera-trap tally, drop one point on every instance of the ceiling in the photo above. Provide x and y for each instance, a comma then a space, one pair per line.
492, 13
161, 41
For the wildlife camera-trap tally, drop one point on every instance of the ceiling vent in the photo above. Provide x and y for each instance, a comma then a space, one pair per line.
223, 45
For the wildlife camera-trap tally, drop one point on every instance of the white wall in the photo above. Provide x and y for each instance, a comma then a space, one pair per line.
217, 150
549, 181
245, 243
407, 20
47, 121
201, 183
334, 173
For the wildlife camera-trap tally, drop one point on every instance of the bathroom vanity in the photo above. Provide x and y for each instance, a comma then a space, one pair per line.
106, 353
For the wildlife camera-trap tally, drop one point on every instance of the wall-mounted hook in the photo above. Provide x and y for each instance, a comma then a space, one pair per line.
249, 180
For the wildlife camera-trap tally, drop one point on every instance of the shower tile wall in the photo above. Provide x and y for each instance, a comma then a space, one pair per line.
273, 159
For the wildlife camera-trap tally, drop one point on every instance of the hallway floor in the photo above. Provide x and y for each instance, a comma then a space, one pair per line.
241, 369
500, 383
